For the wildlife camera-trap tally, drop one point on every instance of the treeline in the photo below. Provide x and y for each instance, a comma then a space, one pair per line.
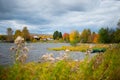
75, 37
10, 36
107, 35
104, 35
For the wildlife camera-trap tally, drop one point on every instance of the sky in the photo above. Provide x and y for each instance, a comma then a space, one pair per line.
47, 16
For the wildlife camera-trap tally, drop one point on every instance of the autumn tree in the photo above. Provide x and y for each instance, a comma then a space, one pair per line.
74, 37
95, 38
86, 36
9, 34
26, 34
66, 37
92, 36
17, 33
89, 36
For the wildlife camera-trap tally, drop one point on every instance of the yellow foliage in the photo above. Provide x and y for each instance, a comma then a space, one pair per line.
74, 35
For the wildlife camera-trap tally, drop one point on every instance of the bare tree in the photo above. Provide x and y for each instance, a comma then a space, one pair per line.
118, 24
9, 34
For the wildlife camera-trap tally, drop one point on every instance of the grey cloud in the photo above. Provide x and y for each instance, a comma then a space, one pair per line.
7, 6
50, 15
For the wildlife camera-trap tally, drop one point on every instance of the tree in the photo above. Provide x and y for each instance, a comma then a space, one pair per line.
86, 36
60, 35
57, 35
26, 34
3, 37
118, 24
104, 36
112, 35
95, 39
117, 33
66, 37
92, 36
89, 36
17, 33
9, 34
74, 37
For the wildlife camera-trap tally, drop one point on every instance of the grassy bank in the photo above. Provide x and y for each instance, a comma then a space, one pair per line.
49, 41
102, 67
81, 47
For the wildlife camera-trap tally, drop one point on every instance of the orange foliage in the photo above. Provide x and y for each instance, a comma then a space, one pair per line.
66, 36
95, 39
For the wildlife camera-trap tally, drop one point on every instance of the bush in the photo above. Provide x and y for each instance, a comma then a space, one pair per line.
73, 43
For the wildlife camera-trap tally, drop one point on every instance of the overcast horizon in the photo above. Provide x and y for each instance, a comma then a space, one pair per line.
47, 16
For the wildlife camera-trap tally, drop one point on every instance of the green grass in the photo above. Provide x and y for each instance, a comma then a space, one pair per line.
104, 66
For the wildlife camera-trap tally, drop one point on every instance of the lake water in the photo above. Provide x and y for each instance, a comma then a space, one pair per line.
36, 50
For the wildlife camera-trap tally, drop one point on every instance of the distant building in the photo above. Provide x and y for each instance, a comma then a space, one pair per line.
42, 37
36, 37
49, 39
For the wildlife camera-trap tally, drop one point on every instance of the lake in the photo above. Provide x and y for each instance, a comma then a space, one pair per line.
36, 50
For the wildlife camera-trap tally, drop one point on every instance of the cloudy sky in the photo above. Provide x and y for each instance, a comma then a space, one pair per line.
46, 16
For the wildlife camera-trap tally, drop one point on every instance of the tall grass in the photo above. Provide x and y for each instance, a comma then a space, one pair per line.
104, 66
